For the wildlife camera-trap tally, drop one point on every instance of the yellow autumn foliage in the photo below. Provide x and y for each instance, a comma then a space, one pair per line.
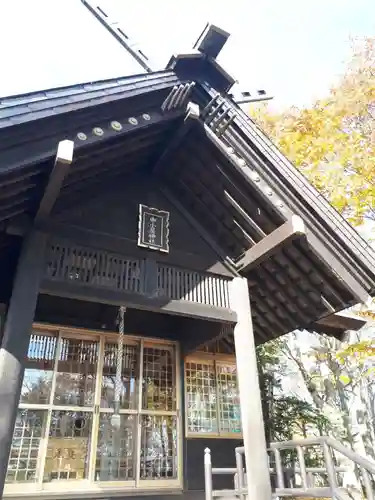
333, 141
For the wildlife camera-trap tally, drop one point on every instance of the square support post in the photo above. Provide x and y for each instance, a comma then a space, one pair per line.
257, 469
16, 339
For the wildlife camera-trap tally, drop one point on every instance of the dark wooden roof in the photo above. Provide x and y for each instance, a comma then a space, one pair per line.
31, 125
223, 170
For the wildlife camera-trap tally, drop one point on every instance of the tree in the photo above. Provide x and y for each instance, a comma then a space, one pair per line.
334, 381
285, 415
333, 141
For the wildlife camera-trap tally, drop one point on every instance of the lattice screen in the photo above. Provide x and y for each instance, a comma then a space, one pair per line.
212, 399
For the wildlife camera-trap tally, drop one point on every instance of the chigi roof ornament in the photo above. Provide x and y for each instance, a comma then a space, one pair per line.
119, 33
211, 41
208, 45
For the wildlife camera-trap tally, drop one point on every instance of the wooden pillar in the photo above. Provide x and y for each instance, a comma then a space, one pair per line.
3, 311
257, 470
16, 337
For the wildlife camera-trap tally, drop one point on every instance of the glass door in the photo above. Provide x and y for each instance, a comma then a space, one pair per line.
67, 435
25, 466
116, 457
68, 445
158, 416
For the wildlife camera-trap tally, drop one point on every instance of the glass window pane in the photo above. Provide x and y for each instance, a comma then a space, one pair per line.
229, 400
24, 458
67, 438
115, 454
158, 447
68, 446
201, 397
158, 383
76, 372
37, 380
130, 367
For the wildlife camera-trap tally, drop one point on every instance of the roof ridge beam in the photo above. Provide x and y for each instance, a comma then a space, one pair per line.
270, 244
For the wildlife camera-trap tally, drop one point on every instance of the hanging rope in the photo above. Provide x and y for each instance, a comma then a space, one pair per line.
118, 380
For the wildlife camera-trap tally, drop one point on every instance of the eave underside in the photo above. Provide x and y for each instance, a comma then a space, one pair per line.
293, 288
290, 289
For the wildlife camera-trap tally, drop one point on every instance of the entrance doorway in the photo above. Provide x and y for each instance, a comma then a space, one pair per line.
65, 435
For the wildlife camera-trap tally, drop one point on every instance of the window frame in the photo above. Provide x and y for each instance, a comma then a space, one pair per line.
215, 359
89, 485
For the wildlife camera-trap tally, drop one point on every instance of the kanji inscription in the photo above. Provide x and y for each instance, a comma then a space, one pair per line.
153, 229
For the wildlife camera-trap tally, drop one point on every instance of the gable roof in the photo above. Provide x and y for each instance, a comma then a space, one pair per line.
23, 108
221, 169
27, 151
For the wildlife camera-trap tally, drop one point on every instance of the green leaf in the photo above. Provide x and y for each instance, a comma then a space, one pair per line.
345, 379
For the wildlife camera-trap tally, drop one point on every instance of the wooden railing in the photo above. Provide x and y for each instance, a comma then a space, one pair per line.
182, 284
314, 482
72, 263
98, 268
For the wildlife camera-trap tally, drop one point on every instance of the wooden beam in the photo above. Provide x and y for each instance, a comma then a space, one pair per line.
337, 325
64, 158
226, 260
342, 322
138, 301
270, 244
119, 244
196, 338
344, 274
192, 115
336, 260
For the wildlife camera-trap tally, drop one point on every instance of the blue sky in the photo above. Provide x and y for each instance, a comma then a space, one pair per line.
294, 49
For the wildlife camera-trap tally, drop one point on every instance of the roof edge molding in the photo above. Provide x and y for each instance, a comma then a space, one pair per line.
278, 181
47, 103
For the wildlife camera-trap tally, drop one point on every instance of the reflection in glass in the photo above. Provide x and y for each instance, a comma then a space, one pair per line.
115, 458
201, 397
68, 445
76, 372
54, 442
24, 458
230, 411
37, 380
158, 447
130, 366
158, 386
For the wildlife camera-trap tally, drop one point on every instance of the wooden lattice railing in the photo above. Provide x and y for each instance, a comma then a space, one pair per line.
72, 263
98, 268
182, 284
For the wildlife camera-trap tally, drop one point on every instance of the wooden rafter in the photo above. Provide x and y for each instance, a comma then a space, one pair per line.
64, 158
